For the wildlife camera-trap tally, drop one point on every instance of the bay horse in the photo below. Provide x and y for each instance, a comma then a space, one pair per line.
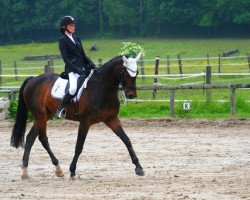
99, 102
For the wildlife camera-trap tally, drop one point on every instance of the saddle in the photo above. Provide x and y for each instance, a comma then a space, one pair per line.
61, 86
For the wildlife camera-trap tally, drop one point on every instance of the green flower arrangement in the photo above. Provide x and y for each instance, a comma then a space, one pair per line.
131, 49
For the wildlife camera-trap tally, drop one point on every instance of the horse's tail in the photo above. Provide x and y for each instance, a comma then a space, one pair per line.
18, 132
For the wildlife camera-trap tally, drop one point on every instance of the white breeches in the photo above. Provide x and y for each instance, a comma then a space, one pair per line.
73, 82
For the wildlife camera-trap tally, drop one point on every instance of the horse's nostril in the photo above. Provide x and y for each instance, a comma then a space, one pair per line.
131, 96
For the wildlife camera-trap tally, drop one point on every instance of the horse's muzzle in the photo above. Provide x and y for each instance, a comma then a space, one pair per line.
130, 94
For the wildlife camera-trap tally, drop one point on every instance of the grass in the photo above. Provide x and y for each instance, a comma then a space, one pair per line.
198, 110
109, 48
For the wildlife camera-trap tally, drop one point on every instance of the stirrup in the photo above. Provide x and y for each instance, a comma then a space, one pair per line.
62, 113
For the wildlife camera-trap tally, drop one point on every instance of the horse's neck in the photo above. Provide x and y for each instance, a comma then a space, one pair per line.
111, 74
105, 83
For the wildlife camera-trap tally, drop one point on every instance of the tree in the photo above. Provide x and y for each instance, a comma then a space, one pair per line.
121, 13
39, 20
153, 17
7, 17
142, 11
100, 17
236, 11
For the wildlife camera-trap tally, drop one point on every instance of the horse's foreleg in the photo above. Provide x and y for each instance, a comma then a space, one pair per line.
30, 139
44, 140
118, 130
82, 133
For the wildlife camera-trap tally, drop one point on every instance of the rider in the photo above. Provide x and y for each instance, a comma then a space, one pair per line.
75, 59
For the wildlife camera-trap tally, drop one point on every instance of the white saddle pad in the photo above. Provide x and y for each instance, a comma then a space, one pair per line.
58, 89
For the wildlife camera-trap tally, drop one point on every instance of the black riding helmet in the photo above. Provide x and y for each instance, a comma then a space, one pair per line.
66, 20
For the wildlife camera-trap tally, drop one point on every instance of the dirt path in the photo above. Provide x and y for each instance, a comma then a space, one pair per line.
193, 159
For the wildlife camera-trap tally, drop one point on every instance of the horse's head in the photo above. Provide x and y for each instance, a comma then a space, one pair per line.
129, 74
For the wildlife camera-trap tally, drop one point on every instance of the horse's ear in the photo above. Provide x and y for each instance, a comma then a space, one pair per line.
138, 57
125, 60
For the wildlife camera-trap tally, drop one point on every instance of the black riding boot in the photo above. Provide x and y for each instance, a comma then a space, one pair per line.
65, 101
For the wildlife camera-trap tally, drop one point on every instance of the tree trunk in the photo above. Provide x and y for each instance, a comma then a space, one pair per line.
100, 18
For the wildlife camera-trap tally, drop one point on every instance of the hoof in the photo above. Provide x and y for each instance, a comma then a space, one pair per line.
25, 177
139, 172
73, 178
59, 173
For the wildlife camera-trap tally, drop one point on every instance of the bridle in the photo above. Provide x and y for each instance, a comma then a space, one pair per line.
123, 83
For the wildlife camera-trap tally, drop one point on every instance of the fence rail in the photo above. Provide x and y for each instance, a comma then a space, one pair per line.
206, 86
172, 89
232, 87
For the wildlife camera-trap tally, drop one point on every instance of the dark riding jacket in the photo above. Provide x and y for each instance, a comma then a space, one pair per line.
74, 56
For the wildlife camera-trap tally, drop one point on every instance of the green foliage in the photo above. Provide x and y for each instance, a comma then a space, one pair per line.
131, 49
120, 12
13, 111
35, 20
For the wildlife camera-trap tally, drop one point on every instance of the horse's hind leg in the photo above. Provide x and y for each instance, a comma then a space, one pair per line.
44, 140
38, 128
115, 125
30, 139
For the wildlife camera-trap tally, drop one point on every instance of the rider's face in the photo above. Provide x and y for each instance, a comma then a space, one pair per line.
71, 28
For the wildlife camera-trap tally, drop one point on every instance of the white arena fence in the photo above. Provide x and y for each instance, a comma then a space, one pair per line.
159, 71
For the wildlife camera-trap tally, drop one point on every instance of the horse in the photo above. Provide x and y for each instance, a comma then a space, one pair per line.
98, 102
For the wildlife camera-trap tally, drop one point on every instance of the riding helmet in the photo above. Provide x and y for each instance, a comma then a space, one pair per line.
66, 20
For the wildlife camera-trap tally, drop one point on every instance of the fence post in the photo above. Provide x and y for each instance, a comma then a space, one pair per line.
15, 70
248, 59
232, 98
180, 64
208, 59
12, 95
0, 72
51, 65
157, 62
99, 62
47, 67
142, 68
171, 93
219, 63
168, 65
208, 82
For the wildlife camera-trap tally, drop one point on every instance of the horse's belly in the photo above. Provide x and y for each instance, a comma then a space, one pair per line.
94, 116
